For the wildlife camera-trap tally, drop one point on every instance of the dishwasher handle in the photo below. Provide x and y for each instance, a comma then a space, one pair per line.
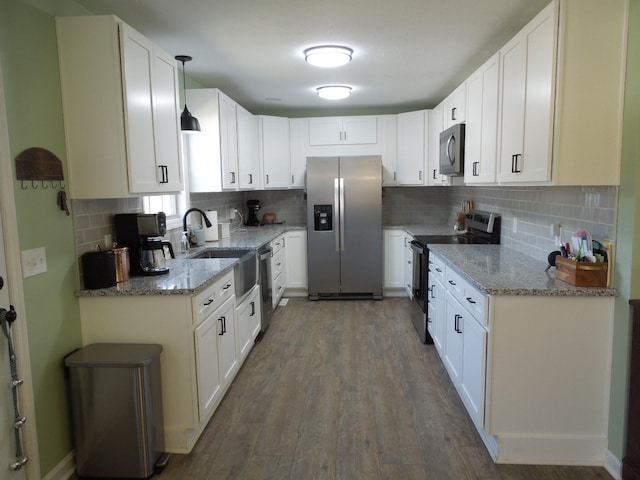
265, 254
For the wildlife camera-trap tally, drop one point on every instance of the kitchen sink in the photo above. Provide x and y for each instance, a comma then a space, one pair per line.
245, 271
222, 253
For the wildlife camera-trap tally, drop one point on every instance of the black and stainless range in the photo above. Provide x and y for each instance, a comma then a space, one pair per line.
482, 228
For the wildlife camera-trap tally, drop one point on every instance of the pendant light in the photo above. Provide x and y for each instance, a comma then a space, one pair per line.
188, 123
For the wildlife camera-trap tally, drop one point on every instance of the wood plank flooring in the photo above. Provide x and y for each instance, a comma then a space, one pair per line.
345, 390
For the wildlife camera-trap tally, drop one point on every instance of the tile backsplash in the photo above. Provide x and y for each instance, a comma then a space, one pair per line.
534, 209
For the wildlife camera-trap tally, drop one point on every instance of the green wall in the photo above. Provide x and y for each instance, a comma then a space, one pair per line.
627, 279
29, 58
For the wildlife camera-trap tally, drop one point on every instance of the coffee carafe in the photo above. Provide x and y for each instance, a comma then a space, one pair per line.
142, 234
152, 256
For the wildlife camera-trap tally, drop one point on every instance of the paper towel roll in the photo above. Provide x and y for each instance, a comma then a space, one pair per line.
211, 233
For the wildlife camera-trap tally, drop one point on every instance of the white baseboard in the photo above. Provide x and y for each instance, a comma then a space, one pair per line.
613, 465
63, 470
552, 450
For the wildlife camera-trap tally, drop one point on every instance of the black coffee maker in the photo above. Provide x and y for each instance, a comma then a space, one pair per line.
141, 233
253, 206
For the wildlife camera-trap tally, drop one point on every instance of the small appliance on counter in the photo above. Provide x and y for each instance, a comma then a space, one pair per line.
141, 233
252, 218
99, 269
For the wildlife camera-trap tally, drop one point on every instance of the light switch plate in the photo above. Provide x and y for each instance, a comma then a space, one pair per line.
34, 262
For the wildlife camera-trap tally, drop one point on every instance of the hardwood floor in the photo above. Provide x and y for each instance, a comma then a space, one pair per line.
345, 390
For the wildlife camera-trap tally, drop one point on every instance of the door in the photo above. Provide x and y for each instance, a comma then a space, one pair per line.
361, 225
323, 236
7, 445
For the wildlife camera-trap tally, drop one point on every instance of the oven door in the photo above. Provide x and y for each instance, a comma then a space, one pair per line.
419, 285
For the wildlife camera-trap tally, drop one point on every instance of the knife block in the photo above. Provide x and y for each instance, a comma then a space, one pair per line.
582, 274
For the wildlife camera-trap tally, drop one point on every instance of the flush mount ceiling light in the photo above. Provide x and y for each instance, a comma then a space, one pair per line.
188, 123
334, 92
328, 55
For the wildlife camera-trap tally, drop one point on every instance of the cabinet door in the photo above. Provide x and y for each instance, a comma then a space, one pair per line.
228, 142
248, 150
167, 127
298, 156
325, 131
455, 107
393, 259
437, 301
454, 317
482, 124
296, 261
138, 66
247, 317
434, 128
208, 376
276, 154
389, 128
408, 264
411, 148
474, 364
227, 350
359, 130
527, 66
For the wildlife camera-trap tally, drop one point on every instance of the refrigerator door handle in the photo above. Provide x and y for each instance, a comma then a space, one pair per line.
341, 214
336, 203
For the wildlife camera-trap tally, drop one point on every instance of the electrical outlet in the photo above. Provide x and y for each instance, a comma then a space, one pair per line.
515, 225
232, 213
556, 229
108, 240
34, 262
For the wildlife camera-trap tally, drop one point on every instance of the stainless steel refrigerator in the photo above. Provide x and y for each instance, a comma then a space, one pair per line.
344, 227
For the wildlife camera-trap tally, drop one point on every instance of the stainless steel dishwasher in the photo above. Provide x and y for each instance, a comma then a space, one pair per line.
266, 293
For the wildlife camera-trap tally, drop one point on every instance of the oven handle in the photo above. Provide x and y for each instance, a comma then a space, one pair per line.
416, 247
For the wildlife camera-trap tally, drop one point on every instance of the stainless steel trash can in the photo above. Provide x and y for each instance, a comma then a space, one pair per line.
116, 401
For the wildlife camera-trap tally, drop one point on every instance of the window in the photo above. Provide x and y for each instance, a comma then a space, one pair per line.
160, 203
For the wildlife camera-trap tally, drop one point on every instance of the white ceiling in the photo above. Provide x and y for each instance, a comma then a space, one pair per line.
408, 54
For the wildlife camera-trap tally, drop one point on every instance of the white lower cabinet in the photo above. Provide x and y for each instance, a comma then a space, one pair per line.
408, 264
248, 314
296, 262
201, 350
533, 372
393, 244
278, 273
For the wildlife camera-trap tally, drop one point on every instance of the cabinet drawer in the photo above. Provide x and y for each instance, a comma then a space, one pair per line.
437, 267
212, 297
278, 288
277, 245
277, 264
470, 297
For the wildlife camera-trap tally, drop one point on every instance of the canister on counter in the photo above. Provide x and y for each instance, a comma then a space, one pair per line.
99, 269
122, 263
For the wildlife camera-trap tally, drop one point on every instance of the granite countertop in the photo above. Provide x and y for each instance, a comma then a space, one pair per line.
499, 270
423, 229
189, 276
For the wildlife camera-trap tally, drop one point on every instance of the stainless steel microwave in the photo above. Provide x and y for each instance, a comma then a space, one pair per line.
452, 150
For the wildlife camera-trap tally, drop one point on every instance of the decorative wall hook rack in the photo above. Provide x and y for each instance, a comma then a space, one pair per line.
39, 165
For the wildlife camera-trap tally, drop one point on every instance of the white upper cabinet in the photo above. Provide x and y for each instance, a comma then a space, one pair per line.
411, 147
248, 150
454, 107
434, 128
297, 144
120, 103
212, 155
527, 68
388, 138
561, 110
359, 130
481, 129
275, 152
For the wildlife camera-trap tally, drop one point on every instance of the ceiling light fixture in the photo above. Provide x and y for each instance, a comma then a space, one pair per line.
188, 123
328, 55
334, 92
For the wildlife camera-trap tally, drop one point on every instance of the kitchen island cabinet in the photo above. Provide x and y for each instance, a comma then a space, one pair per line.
120, 103
547, 346
199, 358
